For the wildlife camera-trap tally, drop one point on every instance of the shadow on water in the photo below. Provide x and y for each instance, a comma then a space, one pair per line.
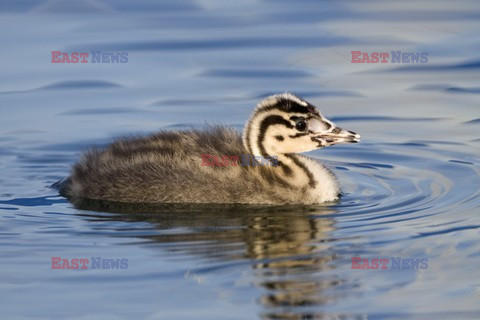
285, 246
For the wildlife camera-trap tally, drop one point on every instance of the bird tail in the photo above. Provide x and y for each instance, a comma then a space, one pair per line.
61, 185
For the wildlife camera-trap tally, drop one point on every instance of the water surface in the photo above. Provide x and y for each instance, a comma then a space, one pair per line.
411, 188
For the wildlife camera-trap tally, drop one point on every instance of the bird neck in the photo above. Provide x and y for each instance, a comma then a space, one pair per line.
296, 171
290, 168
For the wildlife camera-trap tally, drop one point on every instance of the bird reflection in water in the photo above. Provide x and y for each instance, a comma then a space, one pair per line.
287, 247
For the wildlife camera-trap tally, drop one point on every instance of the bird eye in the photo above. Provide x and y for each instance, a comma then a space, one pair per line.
301, 126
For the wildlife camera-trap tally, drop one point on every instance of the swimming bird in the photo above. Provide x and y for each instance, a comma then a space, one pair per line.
260, 166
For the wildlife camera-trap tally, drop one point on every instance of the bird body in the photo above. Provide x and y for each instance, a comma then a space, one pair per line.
167, 167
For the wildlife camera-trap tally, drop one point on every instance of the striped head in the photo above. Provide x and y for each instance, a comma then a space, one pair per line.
285, 123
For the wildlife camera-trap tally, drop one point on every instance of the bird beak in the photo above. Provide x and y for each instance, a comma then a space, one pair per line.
339, 135
326, 133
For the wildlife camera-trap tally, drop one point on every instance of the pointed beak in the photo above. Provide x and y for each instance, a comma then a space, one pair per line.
327, 133
339, 135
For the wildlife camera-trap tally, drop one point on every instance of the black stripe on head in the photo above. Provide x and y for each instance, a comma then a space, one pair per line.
298, 135
295, 118
290, 106
267, 122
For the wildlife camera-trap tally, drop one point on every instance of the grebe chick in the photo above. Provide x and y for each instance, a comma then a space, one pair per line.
167, 167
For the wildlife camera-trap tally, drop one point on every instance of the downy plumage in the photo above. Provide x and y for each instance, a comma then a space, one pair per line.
166, 167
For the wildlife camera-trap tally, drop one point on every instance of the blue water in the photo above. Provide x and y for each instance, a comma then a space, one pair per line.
411, 186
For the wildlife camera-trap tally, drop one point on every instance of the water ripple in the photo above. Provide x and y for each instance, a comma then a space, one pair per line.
216, 44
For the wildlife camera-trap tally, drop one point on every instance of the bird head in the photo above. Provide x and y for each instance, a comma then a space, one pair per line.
285, 123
